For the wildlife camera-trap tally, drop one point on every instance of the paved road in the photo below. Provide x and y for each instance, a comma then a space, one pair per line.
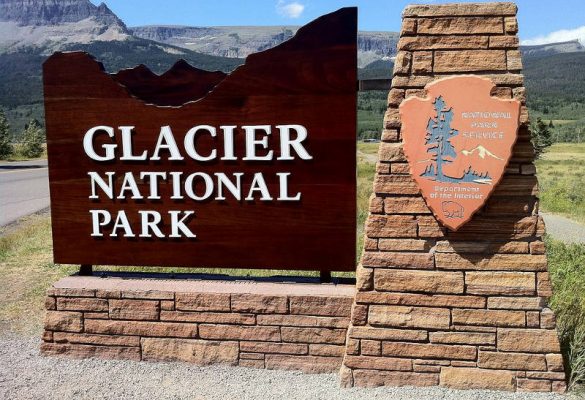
24, 189
564, 229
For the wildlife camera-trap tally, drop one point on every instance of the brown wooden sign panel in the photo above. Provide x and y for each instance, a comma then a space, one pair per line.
458, 141
255, 169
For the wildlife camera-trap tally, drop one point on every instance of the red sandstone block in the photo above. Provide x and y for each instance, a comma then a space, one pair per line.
208, 317
376, 204
323, 306
516, 303
405, 205
47, 336
545, 375
96, 315
50, 303
419, 281
424, 350
405, 245
134, 309
409, 317
533, 385
438, 42
411, 335
64, 321
202, 302
251, 363
543, 285
533, 319
141, 328
313, 335
446, 246
469, 60
148, 295
503, 318
100, 340
496, 262
327, 350
306, 364
234, 332
398, 260
371, 348
167, 305
554, 362
395, 184
81, 304
498, 283
86, 351
374, 378
251, 356
359, 315
379, 363
275, 348
108, 294
460, 9
390, 226
259, 304
471, 338
460, 25
428, 300
528, 340
200, 352
475, 378
513, 361
353, 347
303, 321
559, 386
70, 292
428, 227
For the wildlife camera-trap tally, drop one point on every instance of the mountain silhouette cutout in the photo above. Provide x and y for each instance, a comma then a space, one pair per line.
481, 152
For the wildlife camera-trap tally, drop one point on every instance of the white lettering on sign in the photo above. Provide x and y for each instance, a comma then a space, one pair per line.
118, 144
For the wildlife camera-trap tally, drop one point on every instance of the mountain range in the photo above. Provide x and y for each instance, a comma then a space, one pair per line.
30, 30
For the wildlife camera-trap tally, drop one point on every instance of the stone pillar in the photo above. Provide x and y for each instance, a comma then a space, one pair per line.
465, 309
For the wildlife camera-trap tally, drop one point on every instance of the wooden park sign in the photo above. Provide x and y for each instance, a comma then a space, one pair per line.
458, 141
255, 169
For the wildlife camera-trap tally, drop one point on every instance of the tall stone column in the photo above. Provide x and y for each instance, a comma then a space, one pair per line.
465, 309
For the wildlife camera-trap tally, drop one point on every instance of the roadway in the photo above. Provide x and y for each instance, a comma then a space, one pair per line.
24, 189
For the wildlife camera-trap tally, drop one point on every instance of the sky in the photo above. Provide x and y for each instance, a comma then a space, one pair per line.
540, 21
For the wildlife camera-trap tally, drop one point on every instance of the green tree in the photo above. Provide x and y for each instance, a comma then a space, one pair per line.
6, 148
541, 137
32, 140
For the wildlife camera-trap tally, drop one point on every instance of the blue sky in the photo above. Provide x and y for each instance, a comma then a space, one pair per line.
564, 19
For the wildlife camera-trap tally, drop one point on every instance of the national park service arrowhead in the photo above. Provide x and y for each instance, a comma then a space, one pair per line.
458, 141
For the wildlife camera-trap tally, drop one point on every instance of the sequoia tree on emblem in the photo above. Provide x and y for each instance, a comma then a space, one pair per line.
458, 141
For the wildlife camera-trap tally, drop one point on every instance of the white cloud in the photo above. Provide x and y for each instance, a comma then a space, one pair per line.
290, 9
563, 35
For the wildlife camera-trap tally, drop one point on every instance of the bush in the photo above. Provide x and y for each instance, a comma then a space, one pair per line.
32, 140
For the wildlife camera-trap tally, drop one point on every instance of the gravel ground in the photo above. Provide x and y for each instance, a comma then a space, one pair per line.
24, 374
564, 229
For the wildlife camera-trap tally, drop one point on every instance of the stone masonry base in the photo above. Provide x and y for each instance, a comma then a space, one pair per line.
250, 324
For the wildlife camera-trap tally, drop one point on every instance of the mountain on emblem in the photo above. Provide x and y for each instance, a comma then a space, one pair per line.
481, 152
458, 141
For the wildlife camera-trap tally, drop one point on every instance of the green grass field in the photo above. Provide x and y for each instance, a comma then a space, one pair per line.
561, 176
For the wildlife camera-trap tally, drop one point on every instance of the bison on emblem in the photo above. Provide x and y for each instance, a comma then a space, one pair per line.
452, 209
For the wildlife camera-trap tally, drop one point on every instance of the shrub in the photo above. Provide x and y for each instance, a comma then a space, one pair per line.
6, 148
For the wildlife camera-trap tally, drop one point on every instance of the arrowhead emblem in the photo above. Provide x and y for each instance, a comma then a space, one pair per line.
458, 141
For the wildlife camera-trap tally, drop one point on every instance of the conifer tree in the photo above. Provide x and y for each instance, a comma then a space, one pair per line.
6, 148
32, 140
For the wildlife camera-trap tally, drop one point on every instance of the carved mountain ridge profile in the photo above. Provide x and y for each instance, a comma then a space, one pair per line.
180, 84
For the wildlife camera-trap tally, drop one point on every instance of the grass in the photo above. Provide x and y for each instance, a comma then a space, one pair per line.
567, 272
561, 176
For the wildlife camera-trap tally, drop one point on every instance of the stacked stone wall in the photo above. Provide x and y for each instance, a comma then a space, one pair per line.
259, 326
465, 309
